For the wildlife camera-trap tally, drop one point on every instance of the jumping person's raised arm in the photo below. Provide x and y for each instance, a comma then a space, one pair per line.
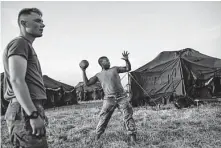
127, 68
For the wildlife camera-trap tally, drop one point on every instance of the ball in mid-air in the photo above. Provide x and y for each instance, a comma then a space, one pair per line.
84, 64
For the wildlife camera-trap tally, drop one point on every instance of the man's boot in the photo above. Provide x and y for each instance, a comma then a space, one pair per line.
133, 139
98, 136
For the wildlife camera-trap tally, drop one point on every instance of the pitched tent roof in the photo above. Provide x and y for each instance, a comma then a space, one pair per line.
4, 103
69, 95
53, 84
187, 54
171, 72
2, 79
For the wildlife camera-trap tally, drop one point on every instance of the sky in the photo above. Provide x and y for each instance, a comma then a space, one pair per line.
88, 30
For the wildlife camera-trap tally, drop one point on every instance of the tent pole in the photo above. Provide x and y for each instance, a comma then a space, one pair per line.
182, 77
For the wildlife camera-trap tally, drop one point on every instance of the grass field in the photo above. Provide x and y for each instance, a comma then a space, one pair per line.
74, 126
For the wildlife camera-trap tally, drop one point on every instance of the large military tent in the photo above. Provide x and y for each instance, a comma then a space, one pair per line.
4, 103
58, 93
174, 73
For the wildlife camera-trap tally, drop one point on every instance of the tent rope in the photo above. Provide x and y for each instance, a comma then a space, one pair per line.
140, 86
123, 77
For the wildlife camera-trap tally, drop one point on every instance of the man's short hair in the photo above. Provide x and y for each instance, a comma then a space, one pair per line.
101, 59
27, 11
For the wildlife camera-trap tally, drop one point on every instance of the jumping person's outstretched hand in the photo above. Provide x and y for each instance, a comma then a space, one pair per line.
125, 55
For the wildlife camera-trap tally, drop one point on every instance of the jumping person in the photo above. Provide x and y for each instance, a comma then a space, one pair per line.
23, 84
115, 96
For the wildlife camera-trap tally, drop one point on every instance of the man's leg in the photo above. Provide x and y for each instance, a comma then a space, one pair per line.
20, 131
106, 112
129, 122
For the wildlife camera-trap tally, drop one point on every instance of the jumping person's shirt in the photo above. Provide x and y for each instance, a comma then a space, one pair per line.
110, 81
22, 47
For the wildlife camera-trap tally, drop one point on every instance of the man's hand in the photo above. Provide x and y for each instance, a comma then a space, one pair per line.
83, 69
128, 65
38, 127
125, 55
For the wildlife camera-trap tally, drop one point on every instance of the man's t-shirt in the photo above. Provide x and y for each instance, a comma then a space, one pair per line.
22, 47
110, 81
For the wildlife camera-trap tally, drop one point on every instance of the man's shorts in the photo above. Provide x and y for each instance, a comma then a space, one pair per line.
20, 131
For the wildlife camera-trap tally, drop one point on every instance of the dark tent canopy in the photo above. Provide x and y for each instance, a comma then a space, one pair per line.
51, 83
58, 93
4, 103
173, 72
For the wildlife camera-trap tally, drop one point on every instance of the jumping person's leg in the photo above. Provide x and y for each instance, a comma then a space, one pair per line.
106, 112
129, 122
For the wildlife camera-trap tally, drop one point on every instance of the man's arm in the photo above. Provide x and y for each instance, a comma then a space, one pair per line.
17, 71
89, 82
128, 65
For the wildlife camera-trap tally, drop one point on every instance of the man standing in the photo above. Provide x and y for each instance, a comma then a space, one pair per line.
115, 95
24, 87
